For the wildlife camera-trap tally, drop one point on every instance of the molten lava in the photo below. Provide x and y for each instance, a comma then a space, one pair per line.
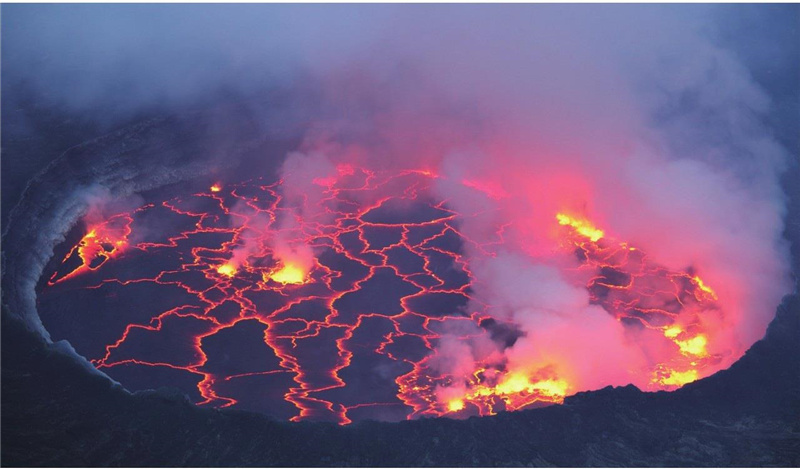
705, 289
388, 277
581, 226
228, 270
98, 245
632, 287
287, 274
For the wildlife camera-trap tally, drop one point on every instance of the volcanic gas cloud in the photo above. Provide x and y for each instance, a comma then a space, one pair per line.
545, 211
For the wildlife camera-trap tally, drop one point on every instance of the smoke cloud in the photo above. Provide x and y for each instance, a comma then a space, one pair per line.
638, 118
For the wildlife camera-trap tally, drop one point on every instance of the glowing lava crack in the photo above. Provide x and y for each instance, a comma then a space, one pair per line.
334, 311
